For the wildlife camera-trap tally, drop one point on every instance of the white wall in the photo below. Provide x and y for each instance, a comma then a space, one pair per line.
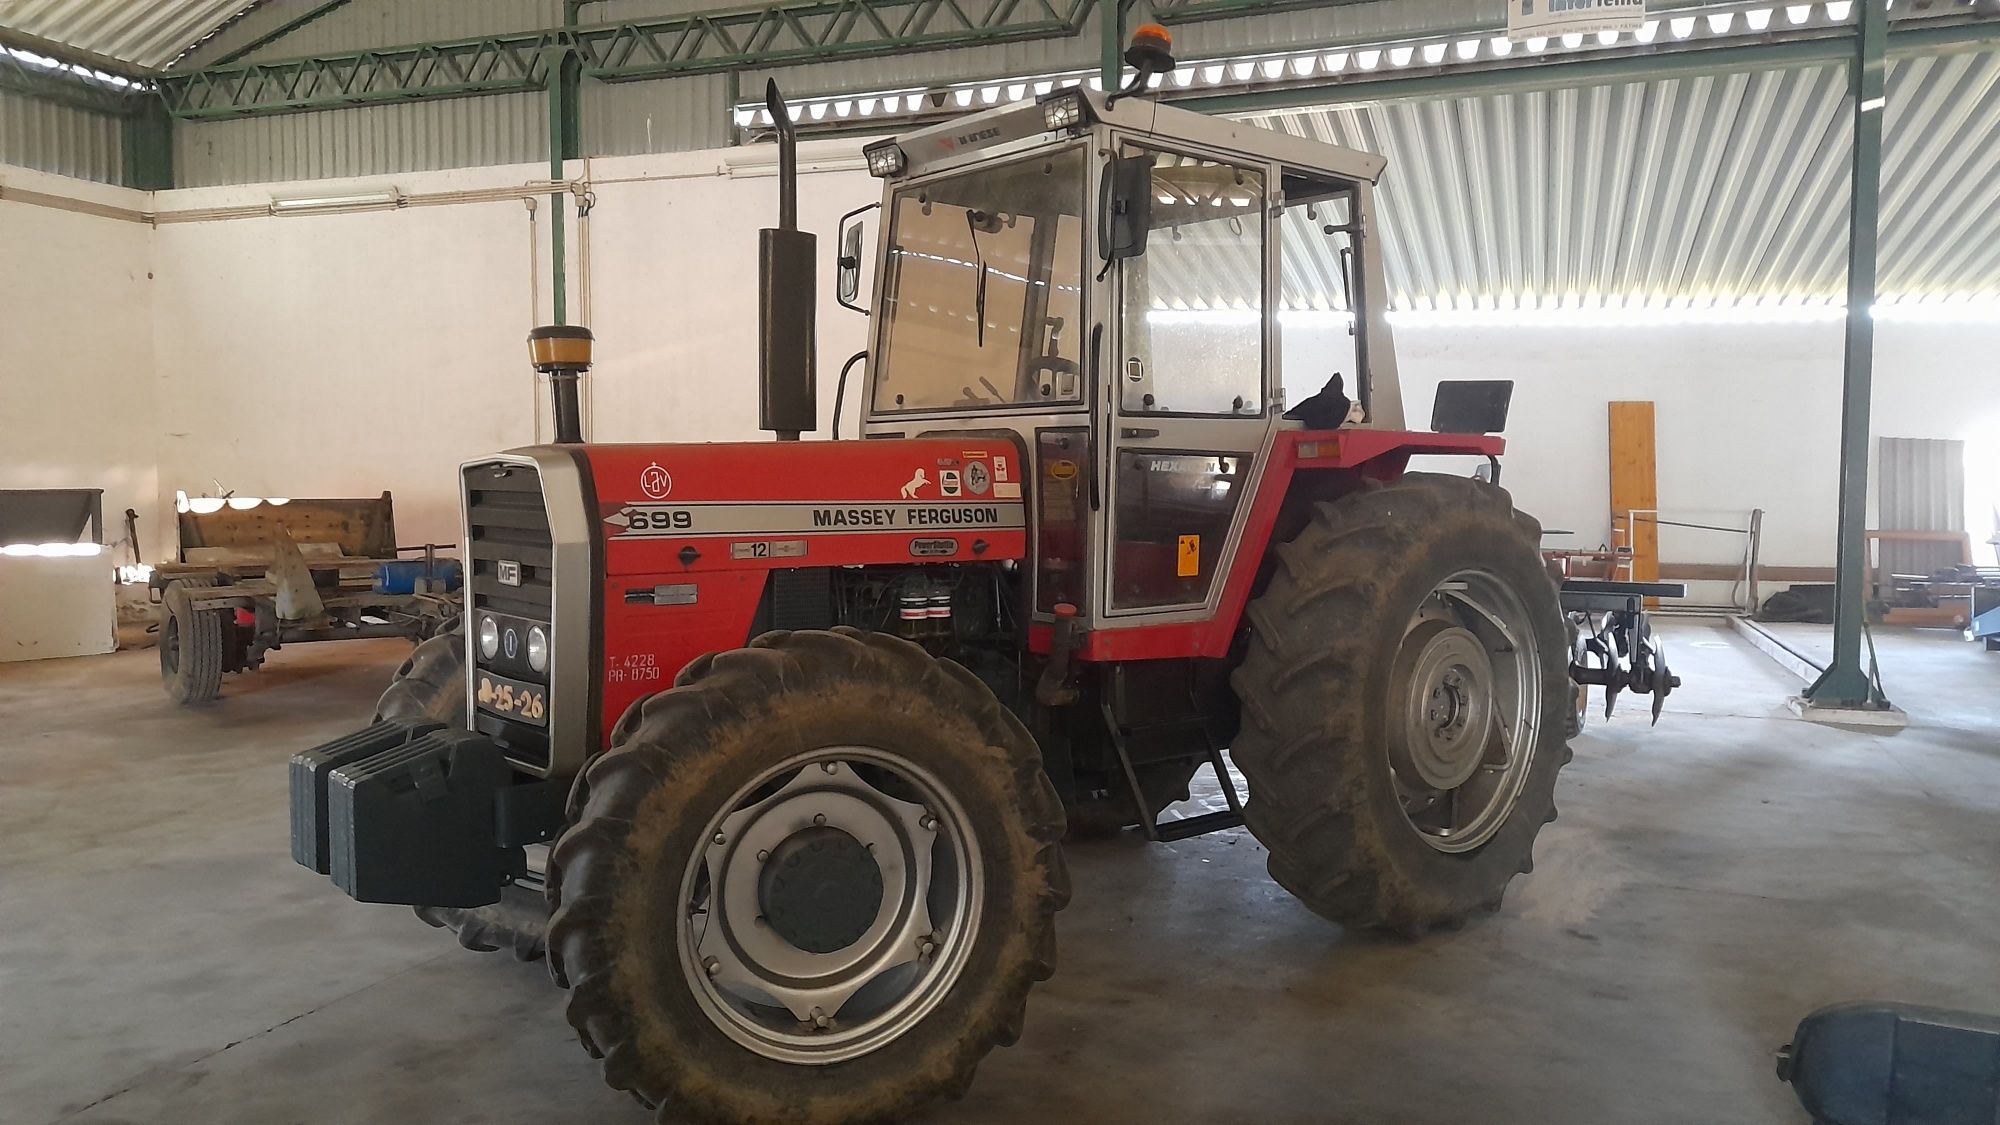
76, 350
342, 355
674, 291
1747, 416
345, 354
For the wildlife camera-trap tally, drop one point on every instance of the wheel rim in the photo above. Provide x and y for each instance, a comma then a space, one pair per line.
1465, 703
776, 936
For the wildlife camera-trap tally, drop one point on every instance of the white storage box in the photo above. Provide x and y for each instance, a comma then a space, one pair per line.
53, 607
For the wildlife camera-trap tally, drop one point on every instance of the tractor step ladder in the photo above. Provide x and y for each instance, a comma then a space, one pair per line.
1178, 828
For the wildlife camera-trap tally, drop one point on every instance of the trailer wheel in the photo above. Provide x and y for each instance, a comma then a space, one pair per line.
191, 650
431, 686
813, 881
1405, 696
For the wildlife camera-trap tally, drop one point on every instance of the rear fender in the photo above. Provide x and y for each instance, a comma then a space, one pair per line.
1306, 466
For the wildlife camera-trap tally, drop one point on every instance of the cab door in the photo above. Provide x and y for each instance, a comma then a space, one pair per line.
1191, 412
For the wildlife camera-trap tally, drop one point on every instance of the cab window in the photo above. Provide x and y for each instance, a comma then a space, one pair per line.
982, 303
1193, 303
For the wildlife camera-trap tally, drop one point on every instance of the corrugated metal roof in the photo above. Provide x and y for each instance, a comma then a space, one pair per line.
668, 115
1384, 19
364, 141
622, 118
39, 134
369, 24
147, 33
1683, 190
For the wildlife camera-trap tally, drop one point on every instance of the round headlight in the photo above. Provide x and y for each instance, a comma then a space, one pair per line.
489, 637
538, 649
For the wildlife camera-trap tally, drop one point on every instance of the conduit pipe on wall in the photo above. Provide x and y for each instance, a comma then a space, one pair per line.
744, 166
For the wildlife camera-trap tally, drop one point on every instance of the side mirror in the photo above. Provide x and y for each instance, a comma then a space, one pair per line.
1125, 207
847, 283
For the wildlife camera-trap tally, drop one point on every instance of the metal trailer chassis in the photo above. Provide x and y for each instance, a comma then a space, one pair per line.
253, 576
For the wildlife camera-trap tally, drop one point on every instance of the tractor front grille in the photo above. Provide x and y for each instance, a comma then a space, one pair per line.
510, 567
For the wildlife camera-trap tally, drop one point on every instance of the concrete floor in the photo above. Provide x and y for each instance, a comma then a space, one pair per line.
1710, 881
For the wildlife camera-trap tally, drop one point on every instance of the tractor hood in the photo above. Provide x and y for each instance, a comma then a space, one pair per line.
767, 505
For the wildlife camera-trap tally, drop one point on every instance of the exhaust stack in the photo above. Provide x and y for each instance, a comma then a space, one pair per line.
787, 393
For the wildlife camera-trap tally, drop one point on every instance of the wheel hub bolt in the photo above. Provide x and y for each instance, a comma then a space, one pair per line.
819, 819
763, 857
712, 965
720, 838
829, 767
925, 946
819, 1019
928, 823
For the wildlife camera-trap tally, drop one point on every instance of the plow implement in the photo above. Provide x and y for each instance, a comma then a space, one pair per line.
1612, 643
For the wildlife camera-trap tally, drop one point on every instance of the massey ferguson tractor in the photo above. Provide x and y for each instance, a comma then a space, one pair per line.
772, 747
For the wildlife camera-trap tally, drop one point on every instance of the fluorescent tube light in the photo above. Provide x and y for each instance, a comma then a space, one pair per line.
362, 201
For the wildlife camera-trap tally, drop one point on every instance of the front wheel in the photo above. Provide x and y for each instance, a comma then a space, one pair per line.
812, 881
1405, 697
430, 687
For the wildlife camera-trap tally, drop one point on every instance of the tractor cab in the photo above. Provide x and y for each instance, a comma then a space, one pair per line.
1138, 294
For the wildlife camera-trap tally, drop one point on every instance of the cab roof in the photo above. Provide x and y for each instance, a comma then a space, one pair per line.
1012, 126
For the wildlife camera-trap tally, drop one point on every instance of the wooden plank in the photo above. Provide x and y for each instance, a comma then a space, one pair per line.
1635, 487
1928, 616
1794, 660
1964, 539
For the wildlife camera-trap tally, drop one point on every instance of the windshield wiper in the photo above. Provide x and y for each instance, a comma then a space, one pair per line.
979, 283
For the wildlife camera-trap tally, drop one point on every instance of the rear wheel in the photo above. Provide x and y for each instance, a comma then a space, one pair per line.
191, 649
1405, 702
813, 881
430, 686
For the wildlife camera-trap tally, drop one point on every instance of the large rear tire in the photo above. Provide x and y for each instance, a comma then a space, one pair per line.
1405, 696
430, 686
711, 966
191, 651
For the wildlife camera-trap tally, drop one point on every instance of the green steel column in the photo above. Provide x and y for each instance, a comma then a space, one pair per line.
565, 73
1111, 42
1845, 682
732, 96
148, 140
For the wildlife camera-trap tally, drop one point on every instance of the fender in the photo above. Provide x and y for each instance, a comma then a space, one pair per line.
1376, 454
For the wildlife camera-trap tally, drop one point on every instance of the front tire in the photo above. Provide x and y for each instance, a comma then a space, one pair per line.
1405, 697
708, 977
430, 687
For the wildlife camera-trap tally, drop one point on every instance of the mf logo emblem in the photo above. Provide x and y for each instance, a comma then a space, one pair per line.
508, 572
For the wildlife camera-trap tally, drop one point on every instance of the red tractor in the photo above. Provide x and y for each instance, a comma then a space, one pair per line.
773, 747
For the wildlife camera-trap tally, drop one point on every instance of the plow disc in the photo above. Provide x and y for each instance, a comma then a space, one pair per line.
1612, 643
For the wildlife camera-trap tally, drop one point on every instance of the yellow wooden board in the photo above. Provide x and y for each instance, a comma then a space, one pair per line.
1635, 497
